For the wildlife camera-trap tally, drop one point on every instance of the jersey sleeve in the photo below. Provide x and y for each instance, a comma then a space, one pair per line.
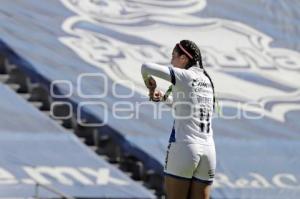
173, 75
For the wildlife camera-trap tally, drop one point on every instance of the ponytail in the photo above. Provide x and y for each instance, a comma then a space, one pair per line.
200, 65
213, 87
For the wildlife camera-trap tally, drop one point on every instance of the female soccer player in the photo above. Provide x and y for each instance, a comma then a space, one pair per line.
191, 159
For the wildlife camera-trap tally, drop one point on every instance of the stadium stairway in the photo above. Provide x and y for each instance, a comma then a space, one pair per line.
97, 139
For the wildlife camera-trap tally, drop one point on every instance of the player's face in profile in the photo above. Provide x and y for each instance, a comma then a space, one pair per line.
175, 61
178, 61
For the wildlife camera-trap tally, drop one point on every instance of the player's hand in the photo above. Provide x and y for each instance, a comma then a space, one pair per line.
150, 83
155, 95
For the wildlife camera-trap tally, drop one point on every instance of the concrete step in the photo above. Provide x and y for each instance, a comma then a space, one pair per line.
60, 122
93, 148
13, 86
104, 157
69, 131
37, 104
81, 139
26, 96
4, 78
47, 113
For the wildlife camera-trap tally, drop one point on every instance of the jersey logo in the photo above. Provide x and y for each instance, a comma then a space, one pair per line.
199, 83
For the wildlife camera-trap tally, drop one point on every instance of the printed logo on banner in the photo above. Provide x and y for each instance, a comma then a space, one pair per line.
67, 176
118, 36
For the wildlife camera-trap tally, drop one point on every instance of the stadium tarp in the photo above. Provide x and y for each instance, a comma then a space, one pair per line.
34, 149
250, 48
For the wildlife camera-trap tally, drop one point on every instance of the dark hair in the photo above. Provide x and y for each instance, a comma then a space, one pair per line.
194, 55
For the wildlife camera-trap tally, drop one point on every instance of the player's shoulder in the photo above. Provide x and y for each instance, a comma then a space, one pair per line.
185, 76
194, 72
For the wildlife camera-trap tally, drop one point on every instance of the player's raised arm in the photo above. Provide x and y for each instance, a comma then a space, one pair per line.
168, 73
151, 69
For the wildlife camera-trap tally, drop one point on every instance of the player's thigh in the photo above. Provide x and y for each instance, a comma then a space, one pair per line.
199, 190
205, 171
204, 174
181, 160
177, 188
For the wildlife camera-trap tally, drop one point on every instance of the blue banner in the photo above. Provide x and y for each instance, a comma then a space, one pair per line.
91, 53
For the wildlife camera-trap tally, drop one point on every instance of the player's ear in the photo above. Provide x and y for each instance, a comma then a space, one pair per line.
183, 57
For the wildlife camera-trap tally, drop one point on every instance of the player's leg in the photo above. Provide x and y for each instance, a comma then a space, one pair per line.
176, 188
204, 174
181, 162
199, 190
